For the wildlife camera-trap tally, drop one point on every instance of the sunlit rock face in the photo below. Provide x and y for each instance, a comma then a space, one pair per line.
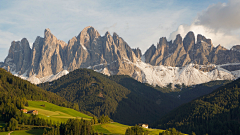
179, 61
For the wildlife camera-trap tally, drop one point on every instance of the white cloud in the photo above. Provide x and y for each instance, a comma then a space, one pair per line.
219, 22
221, 16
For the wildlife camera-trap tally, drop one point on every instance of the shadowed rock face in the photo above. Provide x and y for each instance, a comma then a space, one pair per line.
110, 54
49, 55
19, 56
138, 53
182, 52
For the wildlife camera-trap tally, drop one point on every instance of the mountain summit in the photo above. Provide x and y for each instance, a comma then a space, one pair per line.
186, 51
191, 62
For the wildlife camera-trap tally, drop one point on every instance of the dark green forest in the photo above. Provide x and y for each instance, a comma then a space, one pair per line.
189, 93
122, 98
18, 88
216, 113
14, 95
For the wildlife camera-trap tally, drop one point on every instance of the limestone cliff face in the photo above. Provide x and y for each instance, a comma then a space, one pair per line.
138, 53
186, 51
47, 55
19, 56
110, 55
89, 49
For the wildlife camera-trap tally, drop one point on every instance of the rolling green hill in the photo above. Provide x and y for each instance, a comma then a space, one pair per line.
55, 113
215, 113
122, 98
120, 129
16, 87
15, 93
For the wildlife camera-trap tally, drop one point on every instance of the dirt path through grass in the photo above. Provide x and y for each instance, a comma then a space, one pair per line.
10, 132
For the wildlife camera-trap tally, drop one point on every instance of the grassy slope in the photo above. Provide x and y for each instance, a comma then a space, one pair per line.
54, 112
119, 129
28, 132
25, 132
4, 133
61, 114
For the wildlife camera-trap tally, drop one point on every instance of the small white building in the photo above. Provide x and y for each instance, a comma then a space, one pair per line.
143, 125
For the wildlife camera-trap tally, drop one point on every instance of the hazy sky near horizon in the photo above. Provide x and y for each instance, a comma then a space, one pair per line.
139, 22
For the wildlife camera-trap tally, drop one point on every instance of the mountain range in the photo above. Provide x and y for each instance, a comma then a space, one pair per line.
180, 61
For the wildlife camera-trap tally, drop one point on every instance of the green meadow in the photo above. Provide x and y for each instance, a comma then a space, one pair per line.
62, 114
119, 129
55, 113
24, 132
4, 133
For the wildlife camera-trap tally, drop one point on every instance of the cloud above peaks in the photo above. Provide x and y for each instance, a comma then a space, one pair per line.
221, 16
219, 22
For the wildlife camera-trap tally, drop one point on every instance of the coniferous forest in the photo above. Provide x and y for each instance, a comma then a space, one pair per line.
216, 113
14, 95
124, 100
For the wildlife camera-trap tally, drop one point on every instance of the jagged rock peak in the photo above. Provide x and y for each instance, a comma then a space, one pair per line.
19, 56
190, 35
48, 34
90, 31
115, 34
189, 41
24, 40
178, 39
235, 48
221, 47
47, 30
137, 52
153, 47
107, 33
162, 41
203, 38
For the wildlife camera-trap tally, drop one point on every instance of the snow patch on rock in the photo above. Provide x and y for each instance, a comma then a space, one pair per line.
189, 75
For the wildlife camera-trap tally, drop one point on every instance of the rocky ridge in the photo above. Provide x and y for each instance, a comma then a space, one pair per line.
51, 58
183, 52
89, 49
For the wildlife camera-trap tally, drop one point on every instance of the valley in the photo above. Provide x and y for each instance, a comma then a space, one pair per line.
120, 67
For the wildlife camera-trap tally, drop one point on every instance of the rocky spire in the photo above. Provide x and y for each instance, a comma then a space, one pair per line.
189, 41
137, 52
19, 56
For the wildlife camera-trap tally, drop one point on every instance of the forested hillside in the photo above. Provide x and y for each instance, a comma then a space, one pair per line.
14, 95
215, 113
18, 88
188, 93
124, 99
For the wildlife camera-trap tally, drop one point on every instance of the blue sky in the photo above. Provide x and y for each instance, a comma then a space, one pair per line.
139, 22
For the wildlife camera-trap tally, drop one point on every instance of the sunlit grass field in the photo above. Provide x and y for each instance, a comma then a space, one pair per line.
62, 114
54, 112
4, 133
119, 129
